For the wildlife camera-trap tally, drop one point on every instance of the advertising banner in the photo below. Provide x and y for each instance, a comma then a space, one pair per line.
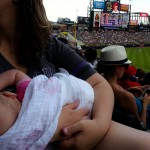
124, 7
133, 22
112, 7
115, 7
96, 19
108, 6
125, 20
113, 0
98, 5
143, 14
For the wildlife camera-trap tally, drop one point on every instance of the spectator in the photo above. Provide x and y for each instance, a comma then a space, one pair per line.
143, 77
113, 62
64, 40
91, 57
130, 81
107, 37
146, 79
79, 51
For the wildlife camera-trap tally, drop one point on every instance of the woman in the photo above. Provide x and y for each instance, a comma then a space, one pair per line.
25, 44
130, 82
113, 63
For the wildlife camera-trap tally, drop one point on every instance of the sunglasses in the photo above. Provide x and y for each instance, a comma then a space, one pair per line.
125, 66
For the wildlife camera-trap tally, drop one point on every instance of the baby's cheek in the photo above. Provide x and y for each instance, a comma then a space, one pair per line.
16, 106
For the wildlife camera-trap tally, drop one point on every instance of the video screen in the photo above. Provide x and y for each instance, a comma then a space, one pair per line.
111, 19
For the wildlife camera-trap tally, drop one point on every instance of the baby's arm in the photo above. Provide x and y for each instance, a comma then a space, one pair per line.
11, 77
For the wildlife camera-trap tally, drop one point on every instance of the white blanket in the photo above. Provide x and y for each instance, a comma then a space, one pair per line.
41, 108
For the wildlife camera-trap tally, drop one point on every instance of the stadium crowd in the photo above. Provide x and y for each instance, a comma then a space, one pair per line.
113, 37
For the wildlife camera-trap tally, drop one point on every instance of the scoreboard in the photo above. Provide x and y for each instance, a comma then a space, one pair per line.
114, 20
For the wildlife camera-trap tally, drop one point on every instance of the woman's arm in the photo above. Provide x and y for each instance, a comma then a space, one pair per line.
91, 132
103, 103
125, 101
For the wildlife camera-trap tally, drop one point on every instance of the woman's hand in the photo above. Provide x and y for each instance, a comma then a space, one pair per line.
68, 116
85, 135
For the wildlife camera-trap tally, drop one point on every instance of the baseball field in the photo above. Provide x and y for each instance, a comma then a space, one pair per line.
140, 56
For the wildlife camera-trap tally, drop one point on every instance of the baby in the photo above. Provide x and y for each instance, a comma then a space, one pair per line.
42, 100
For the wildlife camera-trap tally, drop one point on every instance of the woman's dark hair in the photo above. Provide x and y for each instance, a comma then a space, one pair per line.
33, 31
91, 54
125, 66
105, 69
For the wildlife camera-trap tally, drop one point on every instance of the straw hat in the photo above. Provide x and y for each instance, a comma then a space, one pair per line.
114, 55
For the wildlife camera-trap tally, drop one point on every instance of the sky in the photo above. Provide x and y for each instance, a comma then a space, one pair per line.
73, 8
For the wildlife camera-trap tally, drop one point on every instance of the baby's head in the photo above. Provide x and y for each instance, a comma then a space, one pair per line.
9, 110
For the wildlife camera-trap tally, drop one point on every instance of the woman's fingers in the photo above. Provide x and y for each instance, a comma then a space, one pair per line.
83, 112
72, 129
73, 105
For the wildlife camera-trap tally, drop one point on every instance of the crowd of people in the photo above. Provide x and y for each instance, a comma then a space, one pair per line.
108, 37
26, 45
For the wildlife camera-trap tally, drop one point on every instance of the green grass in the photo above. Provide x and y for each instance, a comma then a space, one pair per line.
140, 57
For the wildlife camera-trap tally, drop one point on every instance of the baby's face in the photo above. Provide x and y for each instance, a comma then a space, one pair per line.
10, 99
9, 110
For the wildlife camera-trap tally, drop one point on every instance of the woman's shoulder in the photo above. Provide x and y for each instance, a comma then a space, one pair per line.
56, 49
